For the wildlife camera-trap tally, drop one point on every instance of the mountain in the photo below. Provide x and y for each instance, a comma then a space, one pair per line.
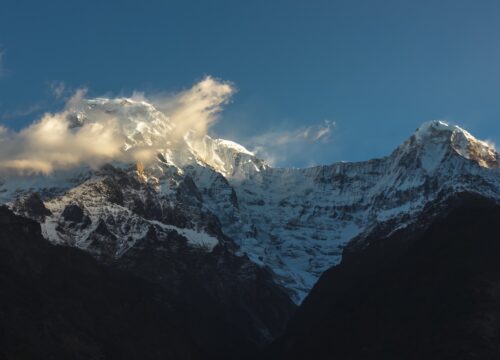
215, 193
300, 219
158, 232
60, 303
424, 292
229, 241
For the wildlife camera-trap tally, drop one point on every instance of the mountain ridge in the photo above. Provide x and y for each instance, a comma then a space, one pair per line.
295, 222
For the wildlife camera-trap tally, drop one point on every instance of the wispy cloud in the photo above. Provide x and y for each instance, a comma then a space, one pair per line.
194, 109
279, 146
21, 112
58, 89
491, 144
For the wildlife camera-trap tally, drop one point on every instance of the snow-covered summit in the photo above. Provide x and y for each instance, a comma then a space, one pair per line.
228, 144
433, 128
144, 128
438, 137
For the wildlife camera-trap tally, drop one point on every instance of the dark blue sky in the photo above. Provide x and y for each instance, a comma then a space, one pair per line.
376, 68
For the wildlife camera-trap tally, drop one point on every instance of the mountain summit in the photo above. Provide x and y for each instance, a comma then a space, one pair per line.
435, 138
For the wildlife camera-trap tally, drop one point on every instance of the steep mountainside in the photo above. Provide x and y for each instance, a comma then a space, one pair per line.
417, 294
198, 268
216, 194
60, 303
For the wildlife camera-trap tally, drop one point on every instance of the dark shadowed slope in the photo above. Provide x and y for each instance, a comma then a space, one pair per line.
432, 294
60, 303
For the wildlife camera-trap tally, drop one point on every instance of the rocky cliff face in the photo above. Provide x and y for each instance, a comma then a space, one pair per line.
219, 198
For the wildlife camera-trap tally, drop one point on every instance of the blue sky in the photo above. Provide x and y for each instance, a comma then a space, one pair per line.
377, 69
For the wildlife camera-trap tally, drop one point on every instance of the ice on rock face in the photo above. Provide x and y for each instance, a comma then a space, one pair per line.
294, 221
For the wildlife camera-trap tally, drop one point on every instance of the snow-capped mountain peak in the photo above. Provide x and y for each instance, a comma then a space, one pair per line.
144, 128
431, 129
435, 138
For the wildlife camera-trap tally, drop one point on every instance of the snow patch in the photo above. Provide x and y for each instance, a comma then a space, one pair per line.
194, 238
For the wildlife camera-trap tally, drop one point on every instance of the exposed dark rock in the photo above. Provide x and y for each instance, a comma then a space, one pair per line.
113, 191
187, 190
32, 206
74, 213
234, 199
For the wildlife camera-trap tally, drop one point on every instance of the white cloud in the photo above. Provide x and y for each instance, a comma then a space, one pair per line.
279, 146
51, 143
195, 109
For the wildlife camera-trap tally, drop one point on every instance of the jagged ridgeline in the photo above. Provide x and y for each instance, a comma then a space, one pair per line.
294, 221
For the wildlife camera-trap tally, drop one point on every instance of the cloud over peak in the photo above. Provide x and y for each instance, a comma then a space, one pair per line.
96, 131
195, 109
93, 132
